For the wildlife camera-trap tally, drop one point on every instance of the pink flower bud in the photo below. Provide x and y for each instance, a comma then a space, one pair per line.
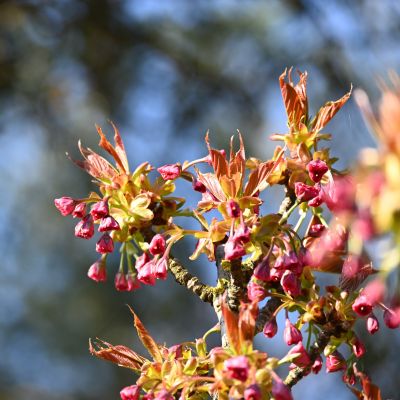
100, 210
291, 335
256, 210
105, 244
304, 192
177, 349
66, 205
318, 200
333, 361
280, 391
279, 263
351, 380
132, 280
317, 366
392, 318
120, 281
375, 291
363, 306
305, 257
130, 393
256, 291
146, 274
340, 195
252, 392
98, 271
108, 223
270, 328
233, 249
317, 230
334, 242
358, 348
85, 227
237, 368
317, 169
209, 160
303, 359
233, 209
161, 269
198, 186
242, 234
262, 271
276, 274
291, 262
291, 284
142, 260
170, 172
157, 245
372, 324
80, 210
163, 394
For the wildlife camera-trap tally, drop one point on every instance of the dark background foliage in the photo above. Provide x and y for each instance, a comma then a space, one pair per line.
164, 72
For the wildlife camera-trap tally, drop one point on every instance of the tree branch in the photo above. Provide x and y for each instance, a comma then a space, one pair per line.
185, 278
289, 199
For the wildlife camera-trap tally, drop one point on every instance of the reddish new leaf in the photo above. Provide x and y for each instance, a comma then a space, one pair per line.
106, 145
120, 355
259, 176
328, 111
147, 340
355, 271
89, 168
247, 321
210, 181
371, 391
120, 149
237, 163
231, 323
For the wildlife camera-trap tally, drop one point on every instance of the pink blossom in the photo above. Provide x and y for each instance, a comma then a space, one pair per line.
80, 210
256, 291
242, 234
85, 228
358, 348
157, 245
262, 271
270, 328
177, 349
198, 186
234, 249
317, 230
233, 209
98, 271
334, 242
305, 257
317, 366
132, 280
372, 324
303, 359
130, 393
161, 269
340, 195
146, 274
66, 205
333, 361
120, 281
363, 306
252, 392
100, 210
170, 172
280, 391
105, 244
237, 368
317, 169
108, 223
351, 380
276, 274
142, 260
305, 192
291, 283
291, 335
375, 291
392, 318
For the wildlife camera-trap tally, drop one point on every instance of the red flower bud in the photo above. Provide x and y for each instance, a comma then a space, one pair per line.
291, 262
317, 230
375, 291
108, 223
146, 274
291, 284
233, 249
170, 172
161, 269
291, 335
100, 210
252, 392
276, 274
237, 368
317, 366
120, 281
132, 280
242, 234
318, 200
80, 210
105, 244
256, 210
280, 391
130, 393
358, 348
98, 271
256, 291
304, 192
233, 209
198, 186
157, 245
372, 324
142, 260
305, 257
351, 380
66, 205
333, 361
303, 359
270, 328
85, 227
363, 306
392, 318
334, 242
317, 169
262, 271
279, 263
209, 160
